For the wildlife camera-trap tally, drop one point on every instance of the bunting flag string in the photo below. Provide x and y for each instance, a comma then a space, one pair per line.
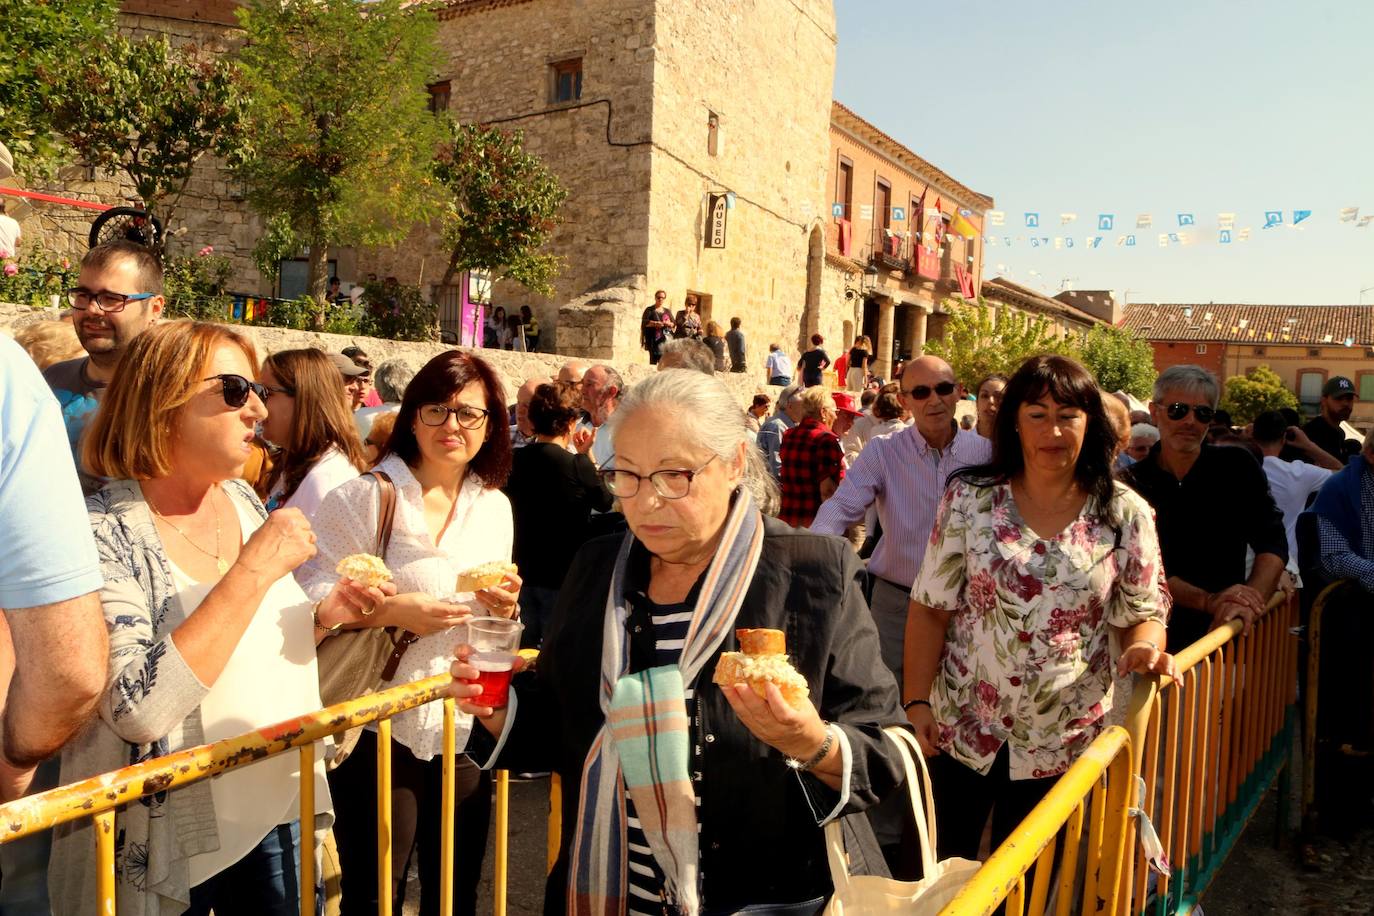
933, 226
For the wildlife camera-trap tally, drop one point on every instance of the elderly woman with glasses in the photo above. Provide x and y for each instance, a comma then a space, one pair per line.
746, 781
448, 457
210, 636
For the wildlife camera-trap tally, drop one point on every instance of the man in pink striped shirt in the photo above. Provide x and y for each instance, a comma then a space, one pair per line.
905, 474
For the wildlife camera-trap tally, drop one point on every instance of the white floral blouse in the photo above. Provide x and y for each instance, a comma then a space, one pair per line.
1027, 659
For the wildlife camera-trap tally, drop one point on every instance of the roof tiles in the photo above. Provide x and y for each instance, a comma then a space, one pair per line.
1258, 324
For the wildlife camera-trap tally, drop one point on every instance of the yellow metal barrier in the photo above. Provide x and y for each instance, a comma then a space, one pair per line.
1096, 789
1207, 745
99, 797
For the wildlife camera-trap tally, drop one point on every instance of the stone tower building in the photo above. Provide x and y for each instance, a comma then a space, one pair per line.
645, 109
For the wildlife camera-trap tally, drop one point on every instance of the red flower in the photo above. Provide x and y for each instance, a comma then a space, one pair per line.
1023, 636
982, 592
1025, 587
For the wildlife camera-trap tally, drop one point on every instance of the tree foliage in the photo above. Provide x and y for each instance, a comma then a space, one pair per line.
982, 339
1120, 359
341, 138
37, 41
1259, 389
499, 205
152, 111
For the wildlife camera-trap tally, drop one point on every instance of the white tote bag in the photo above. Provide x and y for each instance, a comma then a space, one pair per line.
857, 895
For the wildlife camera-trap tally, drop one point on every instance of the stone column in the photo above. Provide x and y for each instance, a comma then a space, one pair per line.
887, 309
918, 332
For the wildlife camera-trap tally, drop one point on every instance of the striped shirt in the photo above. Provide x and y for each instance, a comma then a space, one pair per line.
645, 877
905, 477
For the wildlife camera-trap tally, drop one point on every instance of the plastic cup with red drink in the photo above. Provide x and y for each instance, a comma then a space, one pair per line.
494, 642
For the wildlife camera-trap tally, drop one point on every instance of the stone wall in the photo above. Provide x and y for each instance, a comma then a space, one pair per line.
513, 368
498, 61
211, 212
764, 69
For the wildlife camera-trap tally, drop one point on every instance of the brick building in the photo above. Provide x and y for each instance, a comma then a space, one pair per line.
1304, 344
893, 249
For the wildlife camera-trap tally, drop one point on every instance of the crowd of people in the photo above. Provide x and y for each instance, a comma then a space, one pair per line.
990, 585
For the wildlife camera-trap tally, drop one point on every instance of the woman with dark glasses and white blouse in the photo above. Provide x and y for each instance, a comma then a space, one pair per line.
209, 636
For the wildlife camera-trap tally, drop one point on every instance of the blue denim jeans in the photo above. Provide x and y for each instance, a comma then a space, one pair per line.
262, 883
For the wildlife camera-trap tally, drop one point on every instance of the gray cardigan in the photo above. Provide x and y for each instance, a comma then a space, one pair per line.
152, 704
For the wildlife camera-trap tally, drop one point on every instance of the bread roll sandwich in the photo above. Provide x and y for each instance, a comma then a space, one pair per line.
364, 568
488, 575
762, 661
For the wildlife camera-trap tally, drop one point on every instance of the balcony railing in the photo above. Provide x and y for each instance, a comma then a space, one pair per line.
890, 250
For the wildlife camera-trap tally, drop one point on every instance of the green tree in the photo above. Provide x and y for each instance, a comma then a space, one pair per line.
37, 42
341, 138
499, 205
1121, 360
981, 339
1249, 395
151, 111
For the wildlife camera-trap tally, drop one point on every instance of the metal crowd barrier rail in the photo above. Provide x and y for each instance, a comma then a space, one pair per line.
1097, 790
99, 796
1207, 745
1210, 744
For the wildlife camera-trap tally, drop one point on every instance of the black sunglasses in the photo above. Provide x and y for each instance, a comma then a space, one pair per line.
1178, 410
236, 389
921, 392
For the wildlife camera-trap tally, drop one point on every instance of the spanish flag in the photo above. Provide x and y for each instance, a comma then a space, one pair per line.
959, 225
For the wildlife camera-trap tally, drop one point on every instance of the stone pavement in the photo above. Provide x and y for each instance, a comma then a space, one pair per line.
529, 803
1257, 878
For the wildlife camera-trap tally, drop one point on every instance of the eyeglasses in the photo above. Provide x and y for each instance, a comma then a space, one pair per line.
289, 392
1178, 410
110, 303
237, 388
921, 392
469, 417
670, 483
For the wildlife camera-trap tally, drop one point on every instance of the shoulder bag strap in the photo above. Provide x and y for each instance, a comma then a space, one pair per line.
386, 517
386, 511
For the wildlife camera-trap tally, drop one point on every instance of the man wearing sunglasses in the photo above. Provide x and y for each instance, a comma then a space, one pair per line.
904, 475
118, 296
1211, 503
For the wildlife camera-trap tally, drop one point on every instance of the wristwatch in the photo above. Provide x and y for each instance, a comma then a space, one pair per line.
315, 616
802, 766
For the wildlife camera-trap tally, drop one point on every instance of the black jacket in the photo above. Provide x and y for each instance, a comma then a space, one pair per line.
759, 838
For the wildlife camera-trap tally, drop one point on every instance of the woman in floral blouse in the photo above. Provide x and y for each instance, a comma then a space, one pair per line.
1038, 566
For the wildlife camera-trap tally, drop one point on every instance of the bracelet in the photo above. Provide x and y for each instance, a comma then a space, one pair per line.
1142, 642
910, 703
315, 616
802, 766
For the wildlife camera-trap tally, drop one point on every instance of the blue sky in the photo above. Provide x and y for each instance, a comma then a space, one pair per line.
1201, 106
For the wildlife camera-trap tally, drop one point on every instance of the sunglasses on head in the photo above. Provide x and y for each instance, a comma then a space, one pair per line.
921, 392
236, 389
1178, 410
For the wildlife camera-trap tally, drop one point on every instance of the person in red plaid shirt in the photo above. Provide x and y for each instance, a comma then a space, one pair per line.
812, 459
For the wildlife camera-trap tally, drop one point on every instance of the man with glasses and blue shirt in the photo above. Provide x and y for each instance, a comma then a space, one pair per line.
1210, 502
118, 296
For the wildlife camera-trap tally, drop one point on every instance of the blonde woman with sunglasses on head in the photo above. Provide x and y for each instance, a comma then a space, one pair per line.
209, 636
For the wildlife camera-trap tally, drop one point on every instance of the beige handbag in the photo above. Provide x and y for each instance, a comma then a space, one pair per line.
856, 895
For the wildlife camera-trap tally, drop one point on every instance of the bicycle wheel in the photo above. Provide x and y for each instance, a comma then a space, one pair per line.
125, 224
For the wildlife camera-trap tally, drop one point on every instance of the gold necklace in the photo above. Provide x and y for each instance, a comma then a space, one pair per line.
220, 563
